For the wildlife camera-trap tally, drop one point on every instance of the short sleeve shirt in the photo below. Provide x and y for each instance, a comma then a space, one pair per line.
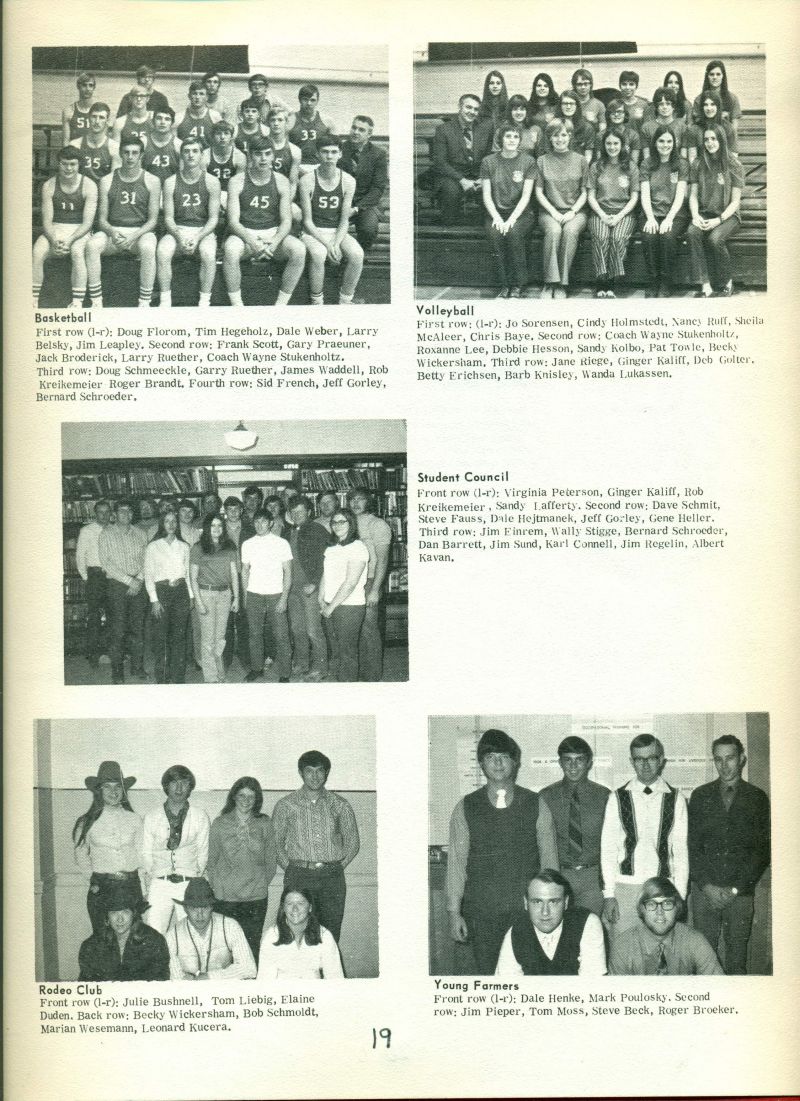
375, 533
337, 559
734, 113
214, 570
563, 177
677, 127
613, 184
664, 180
714, 188
594, 112
265, 555
508, 176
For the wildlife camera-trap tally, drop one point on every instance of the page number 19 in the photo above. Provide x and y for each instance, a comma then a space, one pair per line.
384, 1034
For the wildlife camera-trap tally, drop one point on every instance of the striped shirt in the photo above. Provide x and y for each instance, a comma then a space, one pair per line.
121, 552
309, 830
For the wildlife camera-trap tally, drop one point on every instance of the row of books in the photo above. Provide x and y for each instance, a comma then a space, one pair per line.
397, 581
139, 483
74, 589
374, 477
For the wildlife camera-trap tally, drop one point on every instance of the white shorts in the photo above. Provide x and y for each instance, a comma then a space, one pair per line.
126, 231
265, 235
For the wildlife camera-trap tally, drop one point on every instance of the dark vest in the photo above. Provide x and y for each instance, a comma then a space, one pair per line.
531, 956
503, 850
628, 819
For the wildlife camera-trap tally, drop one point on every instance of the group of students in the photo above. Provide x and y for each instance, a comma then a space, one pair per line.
173, 895
265, 181
669, 165
267, 580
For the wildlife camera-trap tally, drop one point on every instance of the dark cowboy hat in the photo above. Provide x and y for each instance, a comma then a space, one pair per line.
109, 772
125, 895
198, 893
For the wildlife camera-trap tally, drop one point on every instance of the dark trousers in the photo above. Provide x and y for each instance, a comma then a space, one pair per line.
327, 888
169, 633
734, 922
451, 200
250, 916
370, 643
510, 249
96, 608
486, 932
263, 608
96, 896
237, 636
344, 626
711, 261
365, 224
127, 625
661, 252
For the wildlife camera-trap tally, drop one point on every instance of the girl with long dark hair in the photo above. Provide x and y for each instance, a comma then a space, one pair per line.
613, 193
342, 596
494, 100
664, 187
543, 100
214, 565
716, 80
716, 181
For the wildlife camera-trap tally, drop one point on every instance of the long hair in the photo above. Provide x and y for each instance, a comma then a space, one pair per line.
577, 118
488, 110
207, 543
681, 102
245, 782
552, 94
675, 155
87, 820
624, 153
724, 93
514, 102
352, 528
311, 934
161, 533
109, 937
722, 160
716, 99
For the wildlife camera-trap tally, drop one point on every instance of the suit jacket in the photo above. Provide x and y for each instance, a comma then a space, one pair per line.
450, 155
371, 172
729, 848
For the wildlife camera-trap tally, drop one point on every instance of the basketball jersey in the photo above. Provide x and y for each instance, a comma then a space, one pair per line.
160, 160
78, 123
68, 206
198, 129
223, 170
243, 138
326, 206
95, 160
190, 201
128, 201
140, 130
306, 134
259, 204
282, 160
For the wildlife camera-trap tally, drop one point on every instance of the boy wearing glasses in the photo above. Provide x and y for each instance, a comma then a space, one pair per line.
644, 834
659, 944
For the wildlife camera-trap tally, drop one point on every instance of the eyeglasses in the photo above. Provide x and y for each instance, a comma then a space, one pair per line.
665, 904
339, 523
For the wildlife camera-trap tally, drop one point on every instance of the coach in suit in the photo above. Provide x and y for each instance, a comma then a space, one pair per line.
729, 851
367, 163
459, 145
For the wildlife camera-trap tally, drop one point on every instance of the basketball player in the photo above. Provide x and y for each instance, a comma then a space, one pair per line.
309, 127
162, 149
326, 196
75, 118
260, 220
191, 211
222, 159
250, 127
287, 156
212, 84
198, 118
69, 203
99, 153
138, 121
127, 213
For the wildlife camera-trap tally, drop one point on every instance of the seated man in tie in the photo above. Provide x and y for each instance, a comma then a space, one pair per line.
458, 147
644, 834
729, 851
205, 945
552, 937
659, 944
368, 166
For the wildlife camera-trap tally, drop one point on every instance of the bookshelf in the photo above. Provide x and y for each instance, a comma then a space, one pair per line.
86, 481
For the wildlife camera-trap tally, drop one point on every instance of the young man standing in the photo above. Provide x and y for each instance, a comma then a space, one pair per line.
161, 149
258, 85
99, 153
191, 213
267, 579
316, 835
120, 549
308, 542
377, 537
87, 558
212, 84
367, 164
145, 78
138, 121
251, 126
127, 216
222, 159
326, 196
327, 504
286, 160
198, 118
309, 127
75, 118
69, 203
260, 220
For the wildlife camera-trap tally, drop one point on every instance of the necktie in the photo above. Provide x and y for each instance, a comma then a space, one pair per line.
648, 791
468, 139
574, 828
727, 796
662, 961
501, 799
